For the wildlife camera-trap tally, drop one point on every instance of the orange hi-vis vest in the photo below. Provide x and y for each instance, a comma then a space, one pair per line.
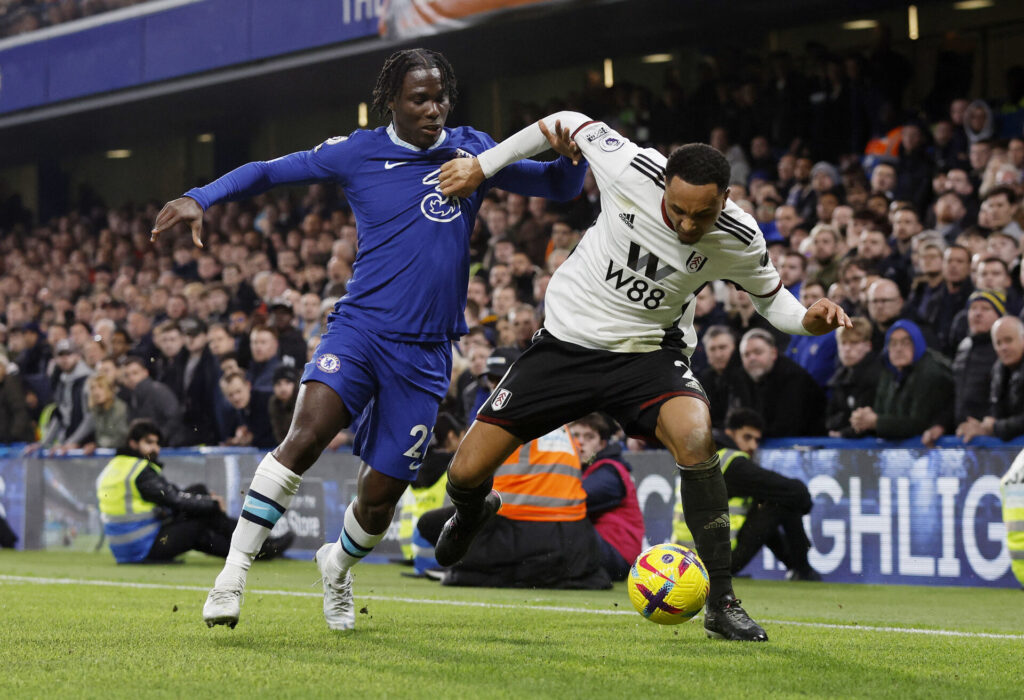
543, 481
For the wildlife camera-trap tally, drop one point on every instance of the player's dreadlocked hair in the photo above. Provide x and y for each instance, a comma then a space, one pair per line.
389, 82
698, 164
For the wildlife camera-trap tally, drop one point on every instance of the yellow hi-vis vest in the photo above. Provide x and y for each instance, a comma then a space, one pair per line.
416, 502
1012, 491
129, 521
737, 507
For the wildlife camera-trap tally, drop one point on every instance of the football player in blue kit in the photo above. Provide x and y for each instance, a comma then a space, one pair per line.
386, 354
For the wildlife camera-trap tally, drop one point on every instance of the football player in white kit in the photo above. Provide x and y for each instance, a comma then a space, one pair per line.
619, 330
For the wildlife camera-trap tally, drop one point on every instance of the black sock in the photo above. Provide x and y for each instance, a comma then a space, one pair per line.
469, 502
706, 507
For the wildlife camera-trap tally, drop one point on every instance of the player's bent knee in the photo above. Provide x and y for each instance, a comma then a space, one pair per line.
691, 447
684, 427
301, 447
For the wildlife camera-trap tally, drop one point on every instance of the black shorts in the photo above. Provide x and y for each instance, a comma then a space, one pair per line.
555, 382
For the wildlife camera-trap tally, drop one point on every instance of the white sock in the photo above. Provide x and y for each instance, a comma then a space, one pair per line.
269, 496
353, 543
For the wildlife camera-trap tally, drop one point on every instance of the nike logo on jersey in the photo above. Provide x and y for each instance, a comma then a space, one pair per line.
628, 219
388, 164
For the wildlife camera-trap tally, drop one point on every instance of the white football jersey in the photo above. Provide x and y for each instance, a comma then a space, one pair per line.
630, 284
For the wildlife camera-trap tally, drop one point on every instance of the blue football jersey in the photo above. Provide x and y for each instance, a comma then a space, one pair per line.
410, 275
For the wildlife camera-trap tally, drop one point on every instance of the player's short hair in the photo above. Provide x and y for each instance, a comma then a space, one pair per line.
598, 423
744, 418
859, 332
698, 164
389, 82
141, 427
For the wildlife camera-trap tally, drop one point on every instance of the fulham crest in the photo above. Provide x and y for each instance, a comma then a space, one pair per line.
695, 262
501, 399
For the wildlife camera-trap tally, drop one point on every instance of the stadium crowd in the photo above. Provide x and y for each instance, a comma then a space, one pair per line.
908, 217
22, 16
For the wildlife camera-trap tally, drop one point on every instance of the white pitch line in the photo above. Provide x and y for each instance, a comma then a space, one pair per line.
497, 606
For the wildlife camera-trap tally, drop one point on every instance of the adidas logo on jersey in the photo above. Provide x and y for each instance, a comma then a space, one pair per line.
628, 219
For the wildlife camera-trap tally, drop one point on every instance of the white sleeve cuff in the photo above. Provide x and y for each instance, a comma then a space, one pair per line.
525, 143
783, 311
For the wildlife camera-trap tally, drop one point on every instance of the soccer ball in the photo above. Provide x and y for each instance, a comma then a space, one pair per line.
668, 584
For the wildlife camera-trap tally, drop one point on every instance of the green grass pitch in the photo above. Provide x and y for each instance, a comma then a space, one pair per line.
61, 636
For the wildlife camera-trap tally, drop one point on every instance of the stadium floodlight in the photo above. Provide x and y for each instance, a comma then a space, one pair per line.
205, 138
861, 24
363, 117
913, 30
119, 153
609, 76
973, 4
657, 58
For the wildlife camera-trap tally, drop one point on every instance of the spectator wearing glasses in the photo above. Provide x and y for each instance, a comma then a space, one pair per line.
885, 307
915, 390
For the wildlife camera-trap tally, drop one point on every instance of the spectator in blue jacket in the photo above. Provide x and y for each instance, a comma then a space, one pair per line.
815, 353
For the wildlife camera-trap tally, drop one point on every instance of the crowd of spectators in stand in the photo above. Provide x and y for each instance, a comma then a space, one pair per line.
22, 16
909, 218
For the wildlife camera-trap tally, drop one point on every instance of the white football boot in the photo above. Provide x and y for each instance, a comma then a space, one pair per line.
339, 606
222, 607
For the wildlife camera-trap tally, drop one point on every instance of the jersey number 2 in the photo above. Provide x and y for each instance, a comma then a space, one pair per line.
414, 451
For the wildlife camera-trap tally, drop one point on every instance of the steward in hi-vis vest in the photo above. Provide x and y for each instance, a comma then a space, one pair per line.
541, 537
765, 508
1012, 490
146, 518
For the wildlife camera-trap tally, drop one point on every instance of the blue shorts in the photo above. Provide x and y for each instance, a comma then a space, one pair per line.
393, 387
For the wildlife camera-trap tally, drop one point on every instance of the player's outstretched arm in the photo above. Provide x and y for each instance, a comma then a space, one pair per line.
182, 209
790, 316
461, 176
321, 163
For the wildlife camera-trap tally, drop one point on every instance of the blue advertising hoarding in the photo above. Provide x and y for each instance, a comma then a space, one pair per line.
169, 39
901, 515
882, 514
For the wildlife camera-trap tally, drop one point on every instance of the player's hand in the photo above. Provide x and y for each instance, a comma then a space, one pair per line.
825, 316
182, 209
460, 177
561, 141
